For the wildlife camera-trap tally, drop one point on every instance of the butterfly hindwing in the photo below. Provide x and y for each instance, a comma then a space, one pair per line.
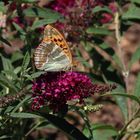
50, 57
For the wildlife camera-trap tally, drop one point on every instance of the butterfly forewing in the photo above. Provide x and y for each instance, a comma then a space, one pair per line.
56, 37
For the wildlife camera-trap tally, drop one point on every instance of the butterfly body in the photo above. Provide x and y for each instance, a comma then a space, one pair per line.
53, 53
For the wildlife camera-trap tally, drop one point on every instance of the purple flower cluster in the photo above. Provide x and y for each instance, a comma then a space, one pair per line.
62, 5
66, 7
55, 89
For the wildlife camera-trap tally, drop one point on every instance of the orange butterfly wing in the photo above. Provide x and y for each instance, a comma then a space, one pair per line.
52, 51
53, 35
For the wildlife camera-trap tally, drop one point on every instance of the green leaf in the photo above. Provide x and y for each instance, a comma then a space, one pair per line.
98, 31
104, 45
86, 46
104, 134
25, 62
37, 74
28, 77
117, 60
121, 100
132, 97
136, 1
24, 115
62, 124
42, 22
10, 74
5, 137
17, 70
16, 56
5, 82
132, 13
86, 132
39, 126
101, 131
6, 63
102, 126
2, 7
42, 13
101, 9
84, 62
20, 104
24, 69
45, 124
8, 109
28, 1
135, 57
137, 86
18, 28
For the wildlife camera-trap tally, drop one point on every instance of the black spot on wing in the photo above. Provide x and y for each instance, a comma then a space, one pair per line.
55, 40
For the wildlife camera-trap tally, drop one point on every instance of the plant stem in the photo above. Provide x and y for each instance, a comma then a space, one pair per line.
127, 124
86, 119
125, 72
120, 51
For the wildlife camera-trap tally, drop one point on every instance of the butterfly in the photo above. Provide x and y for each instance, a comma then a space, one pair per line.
53, 53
